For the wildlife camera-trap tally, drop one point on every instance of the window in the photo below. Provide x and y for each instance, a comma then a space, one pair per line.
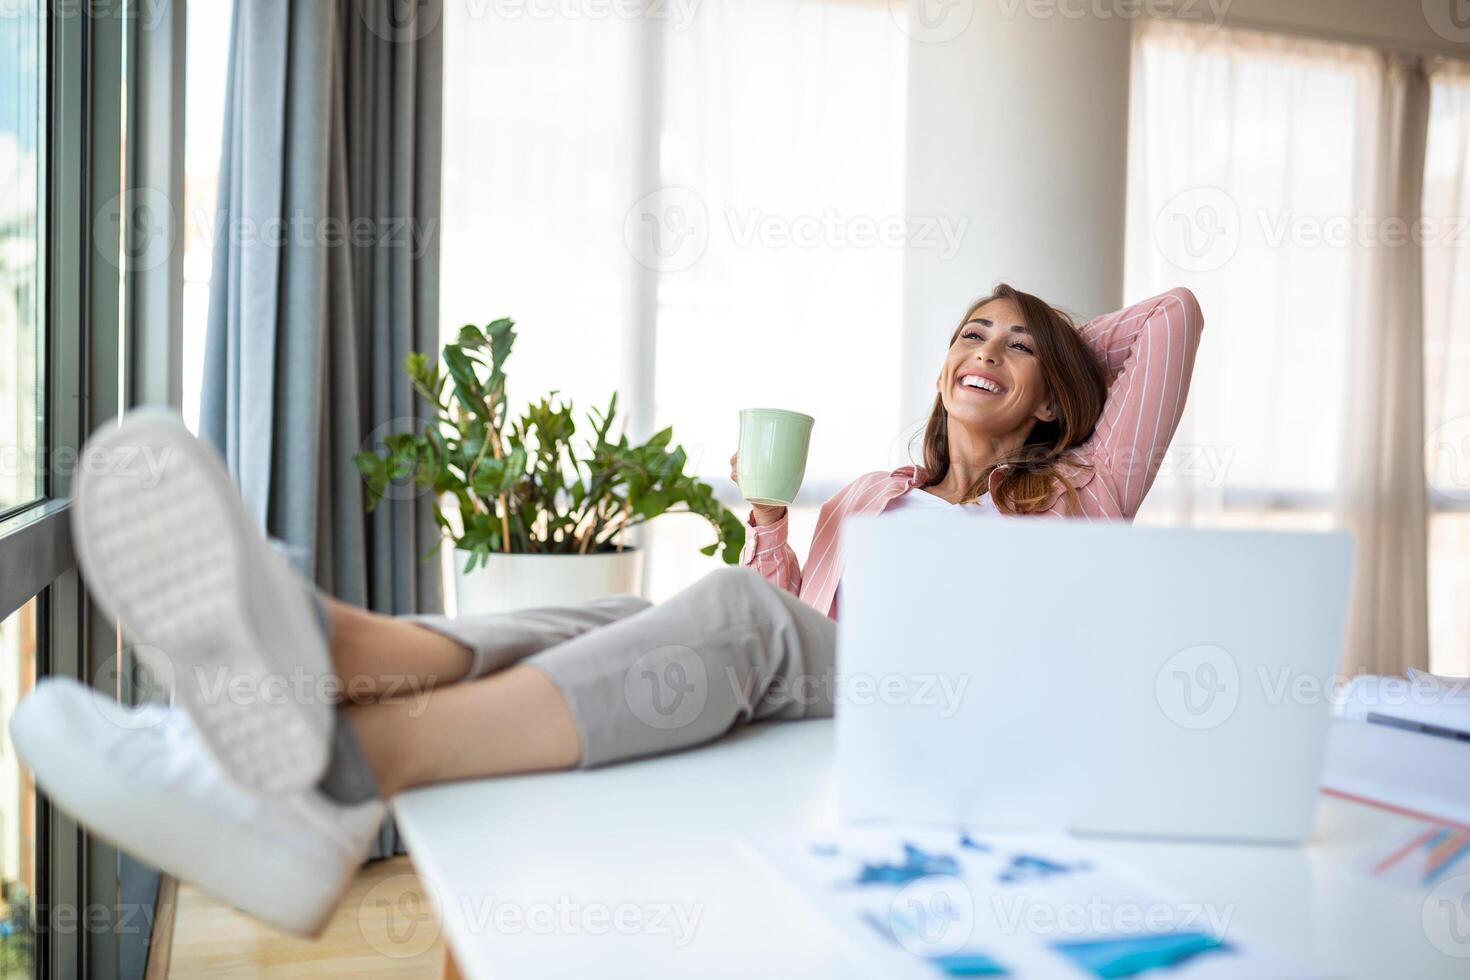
1247, 159
537, 180
207, 54
63, 215
1233, 143
1447, 366
18, 635
22, 160
690, 208
22, 446
795, 301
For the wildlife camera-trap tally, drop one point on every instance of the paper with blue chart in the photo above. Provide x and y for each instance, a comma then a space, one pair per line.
935, 903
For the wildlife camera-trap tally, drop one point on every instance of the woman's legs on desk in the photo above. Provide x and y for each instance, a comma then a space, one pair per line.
730, 649
379, 656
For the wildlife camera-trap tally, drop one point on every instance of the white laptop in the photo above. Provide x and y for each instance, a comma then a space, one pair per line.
1090, 677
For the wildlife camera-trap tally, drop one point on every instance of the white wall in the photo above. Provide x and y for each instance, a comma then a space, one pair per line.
1020, 126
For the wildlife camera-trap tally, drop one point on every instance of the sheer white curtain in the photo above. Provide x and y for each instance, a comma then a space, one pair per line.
540, 148
785, 121
1242, 145
1270, 175
207, 55
715, 187
1447, 363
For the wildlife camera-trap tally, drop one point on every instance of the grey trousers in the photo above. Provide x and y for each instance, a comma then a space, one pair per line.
643, 679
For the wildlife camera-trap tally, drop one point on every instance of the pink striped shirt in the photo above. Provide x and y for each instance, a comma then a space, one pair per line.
1148, 350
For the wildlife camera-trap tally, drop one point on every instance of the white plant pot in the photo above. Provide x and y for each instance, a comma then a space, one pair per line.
510, 582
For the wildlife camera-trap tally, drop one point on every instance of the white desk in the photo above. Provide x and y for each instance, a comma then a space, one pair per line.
512, 860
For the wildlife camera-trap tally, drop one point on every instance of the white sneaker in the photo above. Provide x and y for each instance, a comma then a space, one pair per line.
168, 550
143, 779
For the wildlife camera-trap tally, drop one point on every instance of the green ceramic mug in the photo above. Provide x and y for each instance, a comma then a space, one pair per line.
772, 455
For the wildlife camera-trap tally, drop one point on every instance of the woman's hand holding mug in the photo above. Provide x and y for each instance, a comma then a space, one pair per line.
764, 514
771, 461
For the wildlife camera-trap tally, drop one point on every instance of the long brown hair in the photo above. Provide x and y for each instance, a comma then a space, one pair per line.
1076, 383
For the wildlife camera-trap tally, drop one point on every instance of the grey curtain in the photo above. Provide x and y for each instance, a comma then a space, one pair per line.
326, 273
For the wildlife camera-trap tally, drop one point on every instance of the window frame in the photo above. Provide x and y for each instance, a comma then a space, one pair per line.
94, 99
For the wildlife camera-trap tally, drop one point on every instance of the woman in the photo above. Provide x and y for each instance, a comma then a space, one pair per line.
1035, 430
302, 715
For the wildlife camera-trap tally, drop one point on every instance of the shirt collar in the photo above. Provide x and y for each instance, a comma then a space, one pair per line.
1069, 469
909, 476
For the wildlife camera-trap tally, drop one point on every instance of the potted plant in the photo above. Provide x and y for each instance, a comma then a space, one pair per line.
534, 521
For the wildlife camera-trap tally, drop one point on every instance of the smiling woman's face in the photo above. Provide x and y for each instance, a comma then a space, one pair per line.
991, 379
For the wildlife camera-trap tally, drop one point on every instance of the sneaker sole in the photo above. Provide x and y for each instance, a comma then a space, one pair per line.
167, 555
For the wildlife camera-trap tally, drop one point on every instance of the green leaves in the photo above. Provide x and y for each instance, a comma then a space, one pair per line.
502, 485
374, 472
467, 387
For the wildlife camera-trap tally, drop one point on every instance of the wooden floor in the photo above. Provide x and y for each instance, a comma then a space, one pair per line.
383, 928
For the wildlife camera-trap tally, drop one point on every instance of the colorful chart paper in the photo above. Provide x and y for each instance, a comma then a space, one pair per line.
933, 903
